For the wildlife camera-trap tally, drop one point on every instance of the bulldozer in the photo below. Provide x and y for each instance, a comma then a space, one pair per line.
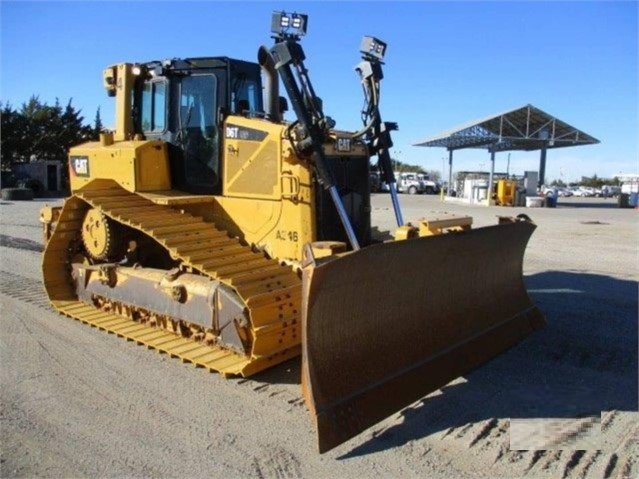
209, 227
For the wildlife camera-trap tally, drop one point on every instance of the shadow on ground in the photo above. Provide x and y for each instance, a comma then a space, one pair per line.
567, 203
20, 243
584, 362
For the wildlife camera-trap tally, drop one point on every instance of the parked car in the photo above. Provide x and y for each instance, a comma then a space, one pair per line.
584, 191
556, 191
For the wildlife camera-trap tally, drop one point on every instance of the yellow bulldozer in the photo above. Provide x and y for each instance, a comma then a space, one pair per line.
208, 227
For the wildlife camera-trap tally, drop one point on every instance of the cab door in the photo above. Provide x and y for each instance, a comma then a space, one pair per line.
198, 132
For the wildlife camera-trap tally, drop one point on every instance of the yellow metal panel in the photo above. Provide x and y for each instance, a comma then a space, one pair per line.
258, 176
279, 227
152, 167
134, 165
252, 158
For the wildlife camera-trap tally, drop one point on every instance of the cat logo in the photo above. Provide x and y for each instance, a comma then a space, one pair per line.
343, 144
80, 165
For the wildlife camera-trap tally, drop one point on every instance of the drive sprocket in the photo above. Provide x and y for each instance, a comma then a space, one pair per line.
100, 235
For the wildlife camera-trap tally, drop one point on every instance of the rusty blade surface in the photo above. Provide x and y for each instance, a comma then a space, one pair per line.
389, 324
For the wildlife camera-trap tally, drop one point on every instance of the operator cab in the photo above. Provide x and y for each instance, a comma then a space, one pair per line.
184, 102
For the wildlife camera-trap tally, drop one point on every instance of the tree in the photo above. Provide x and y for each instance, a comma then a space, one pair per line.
41, 131
400, 167
594, 181
97, 126
12, 140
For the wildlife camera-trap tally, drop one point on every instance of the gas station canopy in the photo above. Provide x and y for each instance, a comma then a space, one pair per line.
527, 128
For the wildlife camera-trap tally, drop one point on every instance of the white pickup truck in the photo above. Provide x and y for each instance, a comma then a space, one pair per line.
413, 183
430, 187
409, 183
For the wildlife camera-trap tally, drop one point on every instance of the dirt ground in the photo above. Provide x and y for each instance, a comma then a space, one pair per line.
77, 402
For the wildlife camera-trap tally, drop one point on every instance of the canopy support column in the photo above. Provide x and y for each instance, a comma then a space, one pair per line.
542, 165
450, 173
489, 193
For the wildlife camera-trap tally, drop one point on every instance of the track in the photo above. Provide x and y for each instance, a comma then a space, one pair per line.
270, 291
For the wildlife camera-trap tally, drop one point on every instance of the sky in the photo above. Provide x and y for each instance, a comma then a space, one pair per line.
447, 63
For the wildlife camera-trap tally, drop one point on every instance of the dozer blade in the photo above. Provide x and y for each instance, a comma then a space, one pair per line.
387, 325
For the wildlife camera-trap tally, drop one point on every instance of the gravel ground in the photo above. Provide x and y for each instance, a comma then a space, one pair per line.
76, 402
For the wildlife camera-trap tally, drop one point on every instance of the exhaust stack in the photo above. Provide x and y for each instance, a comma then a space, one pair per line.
271, 83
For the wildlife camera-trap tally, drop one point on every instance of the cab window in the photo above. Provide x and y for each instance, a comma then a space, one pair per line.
154, 107
198, 128
245, 94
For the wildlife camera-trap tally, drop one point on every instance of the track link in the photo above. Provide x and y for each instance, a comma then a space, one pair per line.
270, 291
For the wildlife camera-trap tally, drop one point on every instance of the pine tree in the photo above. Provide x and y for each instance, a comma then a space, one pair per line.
41, 131
12, 139
97, 126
